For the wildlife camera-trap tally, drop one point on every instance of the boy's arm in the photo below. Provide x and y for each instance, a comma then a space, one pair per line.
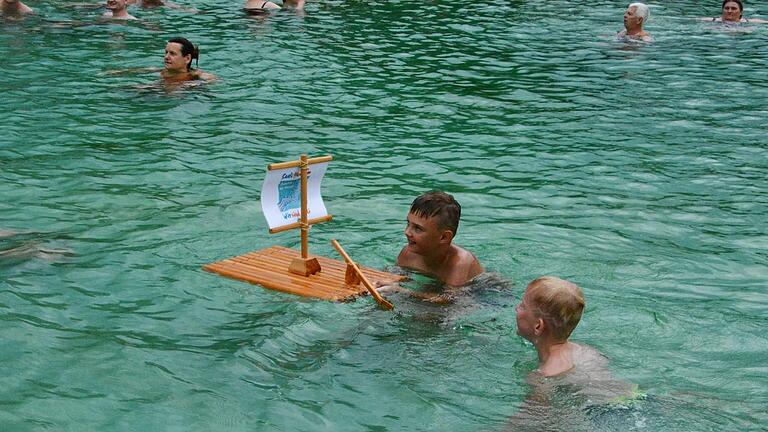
442, 298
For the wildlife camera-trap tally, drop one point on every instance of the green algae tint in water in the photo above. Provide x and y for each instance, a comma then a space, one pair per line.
637, 171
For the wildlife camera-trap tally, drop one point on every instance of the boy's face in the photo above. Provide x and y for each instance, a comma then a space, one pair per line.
424, 234
527, 318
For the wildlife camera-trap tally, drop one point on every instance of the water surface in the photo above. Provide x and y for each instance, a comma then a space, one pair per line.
635, 170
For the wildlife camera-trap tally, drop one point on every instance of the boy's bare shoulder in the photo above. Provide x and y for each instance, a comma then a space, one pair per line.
468, 263
462, 268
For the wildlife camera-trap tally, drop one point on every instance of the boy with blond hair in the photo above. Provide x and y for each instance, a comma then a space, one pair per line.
549, 311
547, 315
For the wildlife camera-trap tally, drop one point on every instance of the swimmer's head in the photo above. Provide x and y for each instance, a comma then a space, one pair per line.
637, 15
440, 205
733, 10
116, 4
557, 302
179, 53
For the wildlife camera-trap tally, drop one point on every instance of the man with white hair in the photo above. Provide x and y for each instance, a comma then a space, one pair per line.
635, 17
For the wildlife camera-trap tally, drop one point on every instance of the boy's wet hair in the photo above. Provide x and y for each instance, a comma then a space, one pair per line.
439, 204
560, 303
187, 47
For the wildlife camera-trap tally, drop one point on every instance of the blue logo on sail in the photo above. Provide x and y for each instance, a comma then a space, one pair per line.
289, 194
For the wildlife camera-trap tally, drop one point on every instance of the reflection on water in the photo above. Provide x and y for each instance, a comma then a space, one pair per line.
16, 247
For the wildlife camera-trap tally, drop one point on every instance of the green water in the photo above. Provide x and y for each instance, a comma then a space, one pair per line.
638, 172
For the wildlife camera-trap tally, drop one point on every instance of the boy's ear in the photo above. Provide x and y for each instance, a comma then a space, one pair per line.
446, 236
538, 329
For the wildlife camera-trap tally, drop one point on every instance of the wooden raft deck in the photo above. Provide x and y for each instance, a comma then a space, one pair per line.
269, 268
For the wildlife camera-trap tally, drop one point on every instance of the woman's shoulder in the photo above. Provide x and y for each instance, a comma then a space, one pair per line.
200, 75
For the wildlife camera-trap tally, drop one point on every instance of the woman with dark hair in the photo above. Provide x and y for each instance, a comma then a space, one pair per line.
177, 68
179, 53
733, 12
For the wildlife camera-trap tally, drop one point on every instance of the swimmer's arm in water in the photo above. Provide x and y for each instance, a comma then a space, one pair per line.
131, 71
177, 6
205, 76
441, 298
86, 5
535, 408
743, 20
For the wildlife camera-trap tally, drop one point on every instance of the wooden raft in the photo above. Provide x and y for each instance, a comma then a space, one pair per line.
269, 268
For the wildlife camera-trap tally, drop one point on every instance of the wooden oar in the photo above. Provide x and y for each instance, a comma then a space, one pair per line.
375, 294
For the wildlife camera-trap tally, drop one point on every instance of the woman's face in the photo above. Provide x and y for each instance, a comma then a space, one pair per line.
174, 61
731, 11
631, 20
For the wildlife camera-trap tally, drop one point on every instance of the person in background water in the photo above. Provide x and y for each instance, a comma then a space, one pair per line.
733, 12
118, 9
261, 6
635, 17
179, 53
14, 7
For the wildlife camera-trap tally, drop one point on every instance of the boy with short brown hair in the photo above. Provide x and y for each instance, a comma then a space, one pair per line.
432, 224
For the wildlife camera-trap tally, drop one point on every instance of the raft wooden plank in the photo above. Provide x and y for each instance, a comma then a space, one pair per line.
269, 268
282, 255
